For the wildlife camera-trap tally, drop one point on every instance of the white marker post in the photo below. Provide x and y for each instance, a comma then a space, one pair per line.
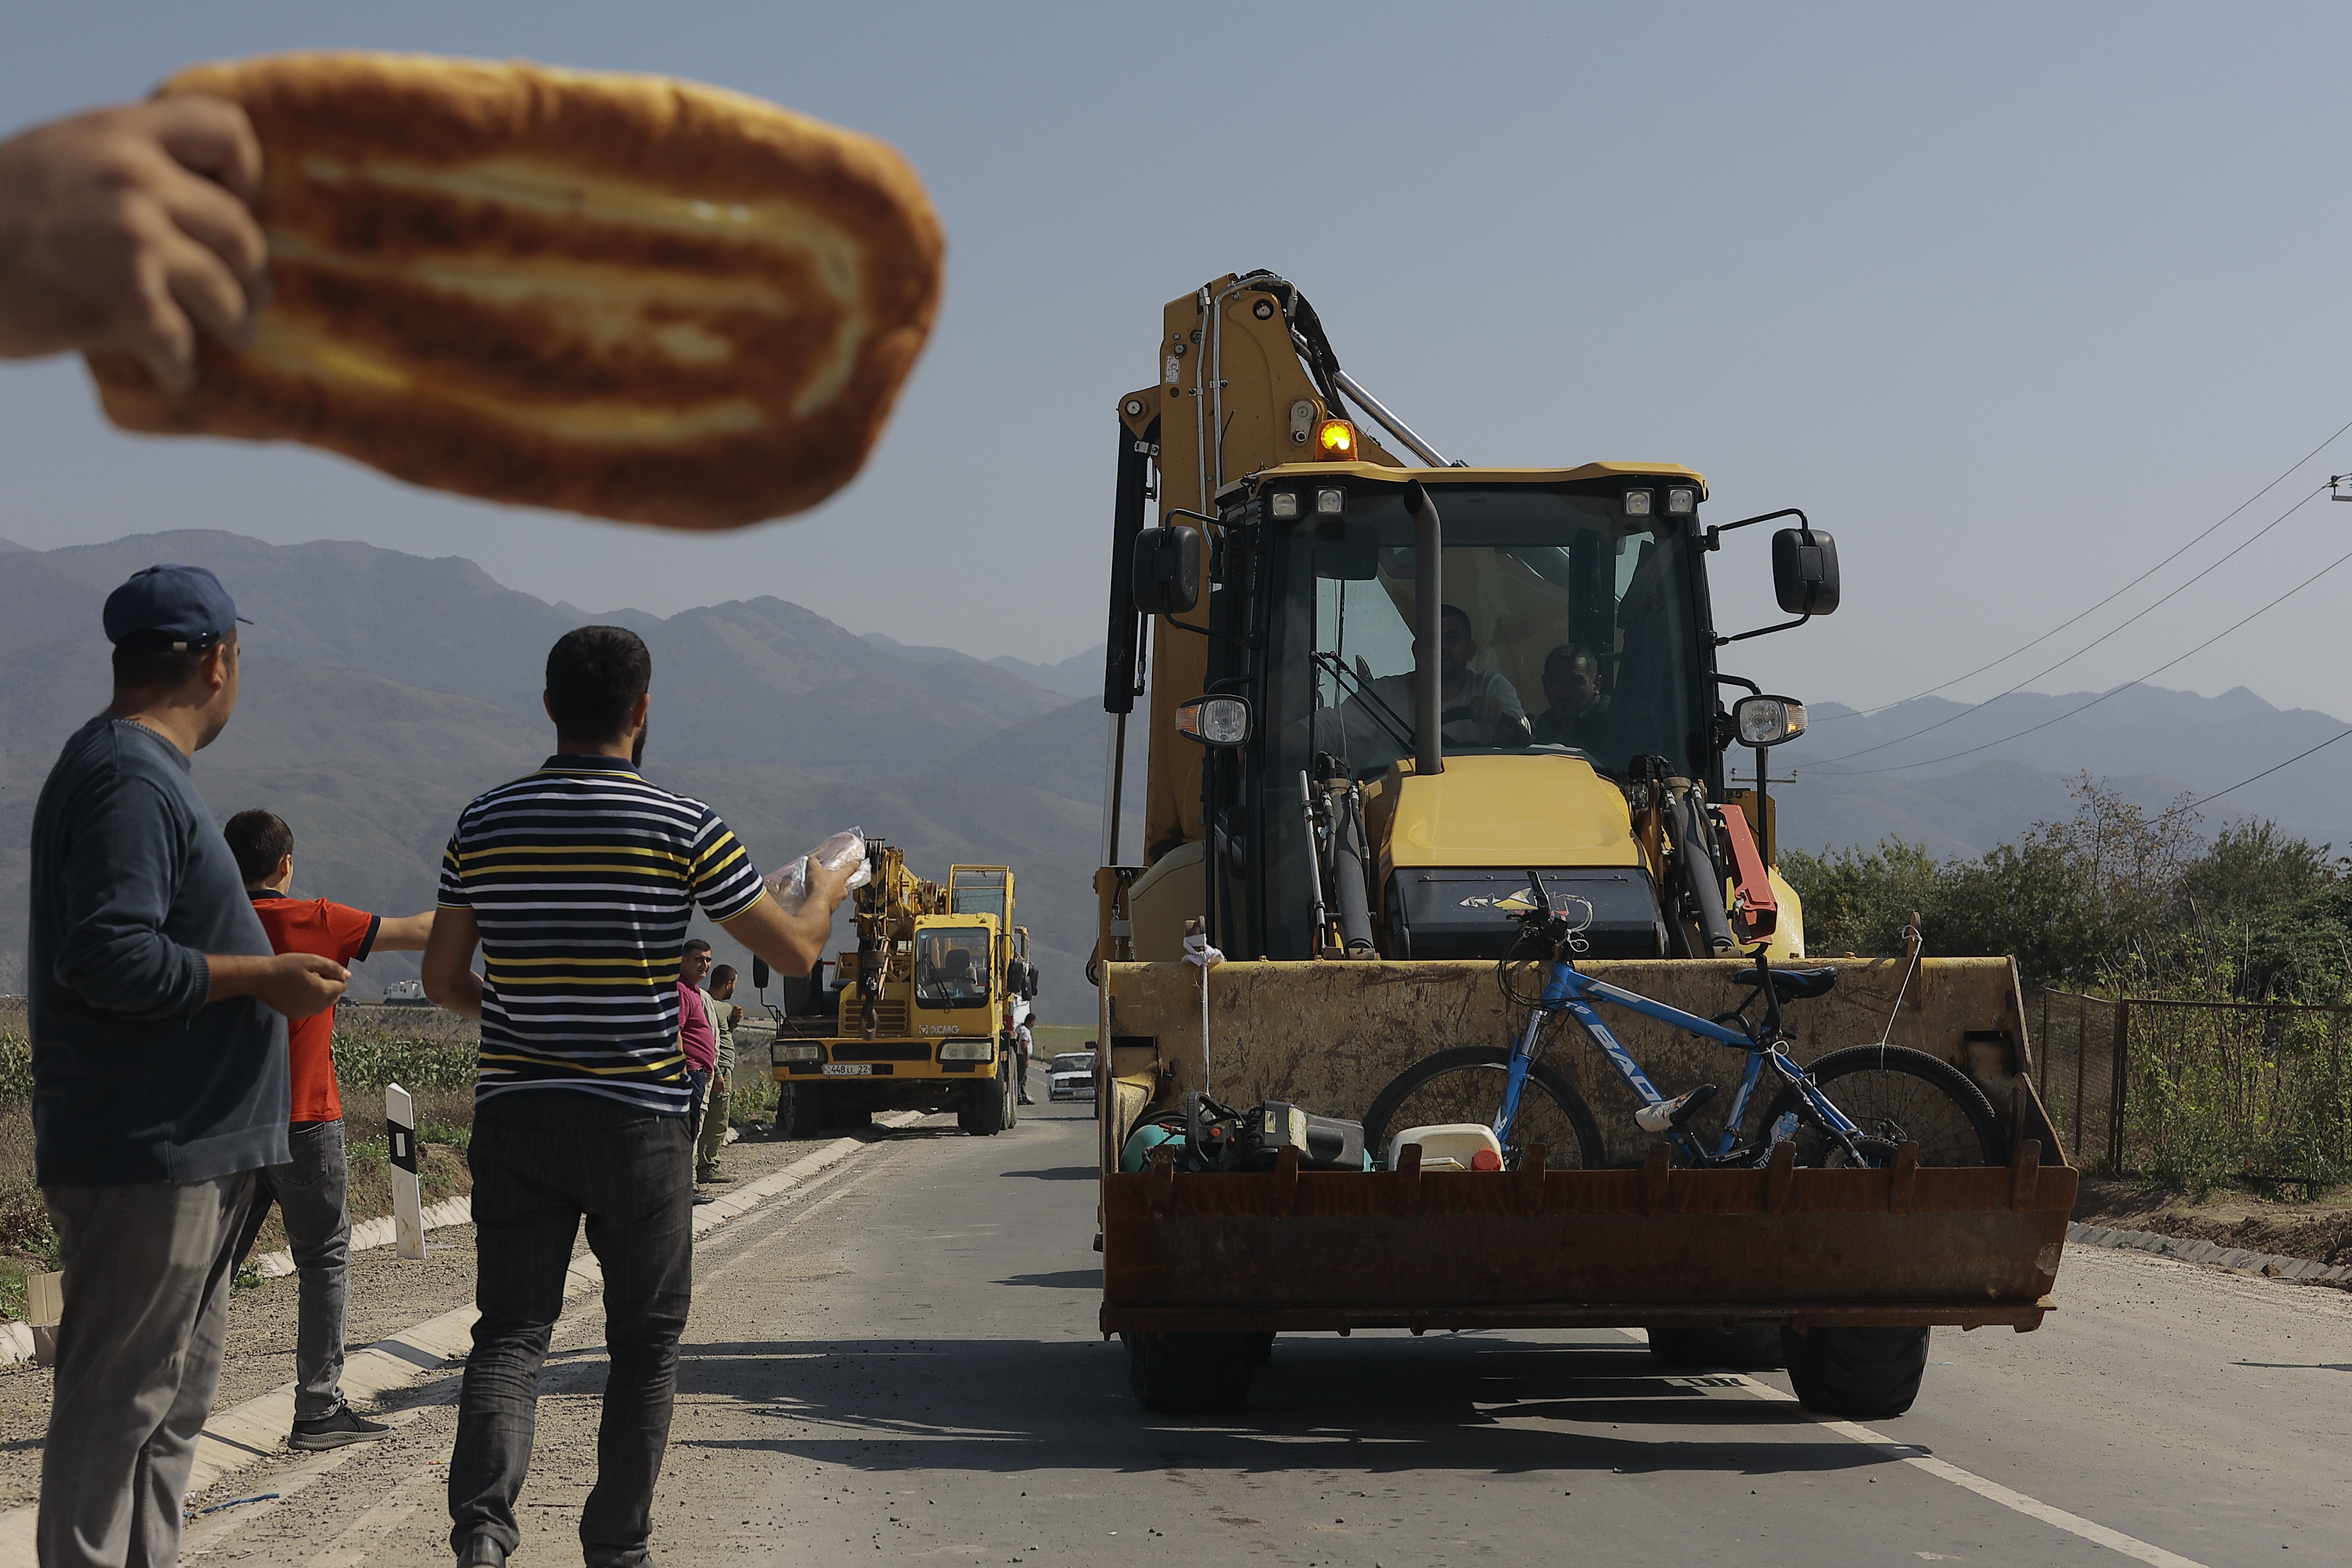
407, 1196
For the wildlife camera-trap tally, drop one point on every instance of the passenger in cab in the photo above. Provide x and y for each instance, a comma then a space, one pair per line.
1579, 709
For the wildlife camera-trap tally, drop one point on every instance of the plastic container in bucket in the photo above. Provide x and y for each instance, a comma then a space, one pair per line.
1449, 1146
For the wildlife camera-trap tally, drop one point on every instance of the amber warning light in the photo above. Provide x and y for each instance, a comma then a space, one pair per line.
1335, 441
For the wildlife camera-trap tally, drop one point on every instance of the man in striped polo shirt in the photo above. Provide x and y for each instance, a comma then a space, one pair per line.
577, 882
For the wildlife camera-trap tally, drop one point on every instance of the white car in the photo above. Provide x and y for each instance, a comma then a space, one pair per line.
1071, 1075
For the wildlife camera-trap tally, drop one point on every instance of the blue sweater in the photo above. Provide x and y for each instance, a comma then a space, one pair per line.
134, 1078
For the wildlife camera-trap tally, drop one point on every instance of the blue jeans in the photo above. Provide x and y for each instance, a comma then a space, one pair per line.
544, 1159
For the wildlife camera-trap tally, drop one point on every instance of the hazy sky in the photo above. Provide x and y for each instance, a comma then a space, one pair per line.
2014, 299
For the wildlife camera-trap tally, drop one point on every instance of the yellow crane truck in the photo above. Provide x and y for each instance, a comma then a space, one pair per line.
921, 1014
1382, 691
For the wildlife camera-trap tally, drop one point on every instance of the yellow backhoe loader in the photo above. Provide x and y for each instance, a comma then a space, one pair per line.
1391, 699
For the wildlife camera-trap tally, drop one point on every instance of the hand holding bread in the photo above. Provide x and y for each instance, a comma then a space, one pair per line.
624, 296
125, 229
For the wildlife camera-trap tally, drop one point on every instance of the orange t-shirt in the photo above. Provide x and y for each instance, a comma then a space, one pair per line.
331, 931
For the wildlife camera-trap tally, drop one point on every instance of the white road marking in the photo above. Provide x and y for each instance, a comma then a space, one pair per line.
1910, 1454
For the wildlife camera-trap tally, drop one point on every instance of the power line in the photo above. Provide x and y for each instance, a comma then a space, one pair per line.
2127, 685
2111, 598
2094, 641
2266, 773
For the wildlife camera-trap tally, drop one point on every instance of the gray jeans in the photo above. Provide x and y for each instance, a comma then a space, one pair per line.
139, 1358
310, 1191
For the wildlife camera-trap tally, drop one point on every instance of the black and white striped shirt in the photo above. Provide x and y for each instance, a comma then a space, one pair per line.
582, 877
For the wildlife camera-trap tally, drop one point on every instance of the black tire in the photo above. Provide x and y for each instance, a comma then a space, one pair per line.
1897, 1096
1466, 1084
800, 1110
1867, 1375
1750, 1349
1191, 1374
984, 1115
1261, 1349
848, 1119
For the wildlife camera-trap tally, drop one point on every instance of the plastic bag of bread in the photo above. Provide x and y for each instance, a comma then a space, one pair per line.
789, 885
626, 296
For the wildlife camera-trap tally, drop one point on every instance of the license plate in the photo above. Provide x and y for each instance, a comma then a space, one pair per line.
849, 1069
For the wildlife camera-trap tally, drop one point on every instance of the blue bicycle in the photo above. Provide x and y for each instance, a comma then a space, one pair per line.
1852, 1108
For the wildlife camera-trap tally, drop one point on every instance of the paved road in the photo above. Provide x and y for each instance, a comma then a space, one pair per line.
899, 1363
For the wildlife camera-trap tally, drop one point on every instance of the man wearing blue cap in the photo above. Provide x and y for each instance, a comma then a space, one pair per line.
159, 1071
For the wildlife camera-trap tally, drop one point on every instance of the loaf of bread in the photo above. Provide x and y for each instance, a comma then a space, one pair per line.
619, 295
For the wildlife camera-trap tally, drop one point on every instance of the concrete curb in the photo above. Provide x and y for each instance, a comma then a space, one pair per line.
257, 1429
368, 1235
2301, 1270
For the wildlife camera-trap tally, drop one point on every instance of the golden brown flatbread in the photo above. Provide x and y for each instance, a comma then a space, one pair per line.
620, 295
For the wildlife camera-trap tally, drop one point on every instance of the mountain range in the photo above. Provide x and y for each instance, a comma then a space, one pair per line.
382, 690
1959, 778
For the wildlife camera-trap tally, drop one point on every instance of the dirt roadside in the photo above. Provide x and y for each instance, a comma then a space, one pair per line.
2227, 1217
387, 1296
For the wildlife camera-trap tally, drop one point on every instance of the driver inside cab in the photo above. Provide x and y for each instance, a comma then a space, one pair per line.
1477, 707
1480, 707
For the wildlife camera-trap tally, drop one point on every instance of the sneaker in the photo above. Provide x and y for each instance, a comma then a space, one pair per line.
345, 1425
712, 1176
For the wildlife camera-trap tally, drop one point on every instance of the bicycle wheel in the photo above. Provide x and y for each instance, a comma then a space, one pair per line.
1467, 1084
1897, 1096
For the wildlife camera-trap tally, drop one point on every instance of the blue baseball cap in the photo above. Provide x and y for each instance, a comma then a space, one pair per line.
181, 607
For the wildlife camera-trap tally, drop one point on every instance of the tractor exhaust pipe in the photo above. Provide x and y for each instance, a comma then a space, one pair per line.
1428, 629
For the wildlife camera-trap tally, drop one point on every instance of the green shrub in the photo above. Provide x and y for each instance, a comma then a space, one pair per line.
2222, 1094
751, 1094
15, 1066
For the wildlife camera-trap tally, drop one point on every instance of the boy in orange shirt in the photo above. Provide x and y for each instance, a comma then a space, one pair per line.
310, 1189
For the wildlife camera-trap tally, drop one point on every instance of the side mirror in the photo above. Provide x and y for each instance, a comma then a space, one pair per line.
1768, 721
1166, 571
1805, 571
1220, 721
759, 972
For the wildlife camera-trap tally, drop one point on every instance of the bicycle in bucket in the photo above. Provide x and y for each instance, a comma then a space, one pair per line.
1886, 1095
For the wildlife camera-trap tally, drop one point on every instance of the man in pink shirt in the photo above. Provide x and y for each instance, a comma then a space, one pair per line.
697, 1041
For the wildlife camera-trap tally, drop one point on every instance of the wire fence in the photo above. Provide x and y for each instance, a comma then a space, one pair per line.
2193, 1093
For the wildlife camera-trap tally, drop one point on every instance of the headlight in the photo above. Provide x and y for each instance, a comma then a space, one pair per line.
1769, 721
1214, 720
782, 1052
967, 1051
1284, 505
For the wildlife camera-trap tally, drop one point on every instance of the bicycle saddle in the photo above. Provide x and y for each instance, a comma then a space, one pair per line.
1793, 984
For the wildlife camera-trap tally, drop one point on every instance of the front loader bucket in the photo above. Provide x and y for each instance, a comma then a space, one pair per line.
1643, 1244
1292, 1251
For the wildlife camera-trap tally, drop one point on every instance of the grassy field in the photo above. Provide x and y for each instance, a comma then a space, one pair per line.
1054, 1038
426, 1051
